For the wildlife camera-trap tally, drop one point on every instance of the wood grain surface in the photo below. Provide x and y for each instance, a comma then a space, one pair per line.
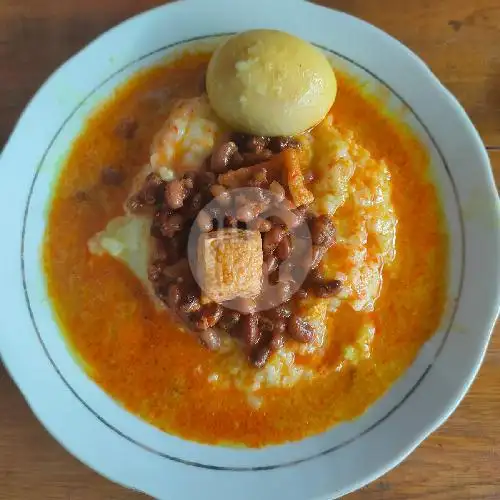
460, 41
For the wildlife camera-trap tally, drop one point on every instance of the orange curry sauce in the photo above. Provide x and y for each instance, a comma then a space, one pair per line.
138, 354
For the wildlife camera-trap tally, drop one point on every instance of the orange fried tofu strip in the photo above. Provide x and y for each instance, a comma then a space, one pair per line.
295, 180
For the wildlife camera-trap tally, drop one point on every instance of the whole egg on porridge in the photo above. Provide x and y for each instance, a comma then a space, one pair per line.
244, 247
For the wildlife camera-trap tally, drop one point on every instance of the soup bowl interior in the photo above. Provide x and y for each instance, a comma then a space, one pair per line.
97, 429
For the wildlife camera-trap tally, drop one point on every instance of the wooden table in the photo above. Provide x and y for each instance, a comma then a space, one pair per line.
460, 40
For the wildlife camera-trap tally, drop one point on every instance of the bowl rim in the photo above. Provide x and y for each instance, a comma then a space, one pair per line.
13, 365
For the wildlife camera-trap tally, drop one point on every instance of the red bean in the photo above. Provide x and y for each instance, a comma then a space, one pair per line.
175, 194
155, 270
204, 221
284, 248
173, 296
277, 340
173, 249
326, 288
299, 329
272, 239
221, 194
221, 157
283, 291
301, 293
254, 158
259, 356
208, 316
192, 206
265, 323
271, 264
250, 211
236, 161
230, 221
210, 339
278, 144
244, 305
205, 179
189, 303
277, 221
323, 231
260, 195
318, 253
171, 224
260, 224
249, 324
299, 216
229, 319
279, 325
283, 311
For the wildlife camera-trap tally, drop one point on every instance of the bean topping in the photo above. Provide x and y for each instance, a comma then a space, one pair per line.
300, 329
210, 339
229, 319
222, 195
236, 161
208, 316
221, 158
284, 248
271, 264
250, 329
318, 253
326, 289
299, 216
189, 303
301, 293
192, 206
260, 355
260, 224
245, 305
204, 221
155, 270
171, 224
272, 239
175, 194
283, 291
173, 296
173, 248
323, 231
248, 212
278, 144
277, 339
265, 323
282, 311
254, 158
255, 144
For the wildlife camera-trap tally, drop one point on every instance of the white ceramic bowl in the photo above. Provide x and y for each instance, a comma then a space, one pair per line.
131, 452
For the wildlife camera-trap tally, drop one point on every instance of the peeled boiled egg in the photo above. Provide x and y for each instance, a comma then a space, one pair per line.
271, 83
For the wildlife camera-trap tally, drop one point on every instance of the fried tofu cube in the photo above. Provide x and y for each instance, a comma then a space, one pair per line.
230, 264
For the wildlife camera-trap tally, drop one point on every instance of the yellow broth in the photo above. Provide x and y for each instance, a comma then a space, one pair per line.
141, 357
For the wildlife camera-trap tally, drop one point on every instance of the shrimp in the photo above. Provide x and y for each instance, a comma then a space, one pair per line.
186, 139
